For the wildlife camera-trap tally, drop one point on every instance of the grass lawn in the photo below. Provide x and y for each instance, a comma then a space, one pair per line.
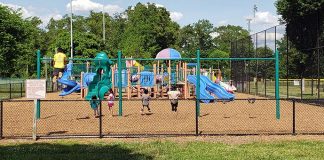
70, 149
294, 91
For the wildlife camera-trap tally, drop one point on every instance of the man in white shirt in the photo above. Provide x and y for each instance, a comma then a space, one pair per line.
173, 96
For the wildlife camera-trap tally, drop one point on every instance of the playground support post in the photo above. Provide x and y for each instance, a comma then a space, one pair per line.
129, 92
185, 80
155, 85
197, 90
82, 89
277, 85
120, 93
38, 77
113, 77
169, 74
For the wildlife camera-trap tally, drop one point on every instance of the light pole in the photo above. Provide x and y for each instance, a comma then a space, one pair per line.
249, 24
71, 29
103, 24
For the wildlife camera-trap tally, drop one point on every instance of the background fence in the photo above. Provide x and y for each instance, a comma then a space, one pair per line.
62, 118
10, 90
301, 69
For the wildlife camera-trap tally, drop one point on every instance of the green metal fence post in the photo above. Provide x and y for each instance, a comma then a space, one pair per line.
38, 77
277, 85
120, 94
197, 90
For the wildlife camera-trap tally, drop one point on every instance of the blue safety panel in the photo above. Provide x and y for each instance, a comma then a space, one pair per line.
124, 78
147, 79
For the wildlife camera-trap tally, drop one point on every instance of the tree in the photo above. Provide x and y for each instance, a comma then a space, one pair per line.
305, 21
197, 35
228, 34
148, 30
87, 39
202, 31
186, 40
305, 31
114, 34
19, 38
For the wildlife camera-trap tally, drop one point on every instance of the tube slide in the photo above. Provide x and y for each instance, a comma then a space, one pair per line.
71, 87
203, 93
216, 89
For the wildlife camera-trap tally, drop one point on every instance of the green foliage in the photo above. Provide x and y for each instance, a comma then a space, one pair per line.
86, 38
305, 31
148, 30
19, 38
228, 34
305, 21
197, 35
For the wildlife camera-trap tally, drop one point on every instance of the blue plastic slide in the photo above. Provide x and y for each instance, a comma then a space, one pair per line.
71, 86
216, 89
204, 95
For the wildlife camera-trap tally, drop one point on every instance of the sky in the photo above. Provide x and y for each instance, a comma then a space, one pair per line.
184, 12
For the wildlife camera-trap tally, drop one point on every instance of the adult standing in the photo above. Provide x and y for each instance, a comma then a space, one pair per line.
59, 63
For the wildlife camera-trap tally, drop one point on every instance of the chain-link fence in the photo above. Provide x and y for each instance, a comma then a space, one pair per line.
301, 69
62, 118
13, 90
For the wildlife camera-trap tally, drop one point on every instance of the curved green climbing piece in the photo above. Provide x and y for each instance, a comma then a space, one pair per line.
101, 82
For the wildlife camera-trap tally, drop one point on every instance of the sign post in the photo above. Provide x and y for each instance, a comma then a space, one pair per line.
35, 89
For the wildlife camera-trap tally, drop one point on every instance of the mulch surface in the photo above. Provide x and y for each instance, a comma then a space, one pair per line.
63, 116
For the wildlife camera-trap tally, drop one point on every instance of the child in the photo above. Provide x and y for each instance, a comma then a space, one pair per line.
94, 105
145, 101
111, 99
173, 96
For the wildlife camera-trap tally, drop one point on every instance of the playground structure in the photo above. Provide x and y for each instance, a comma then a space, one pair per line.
131, 77
159, 78
135, 77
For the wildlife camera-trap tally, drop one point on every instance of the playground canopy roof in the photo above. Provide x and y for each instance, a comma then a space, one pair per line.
168, 53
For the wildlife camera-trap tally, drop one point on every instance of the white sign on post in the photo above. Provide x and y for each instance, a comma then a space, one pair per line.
35, 89
296, 83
